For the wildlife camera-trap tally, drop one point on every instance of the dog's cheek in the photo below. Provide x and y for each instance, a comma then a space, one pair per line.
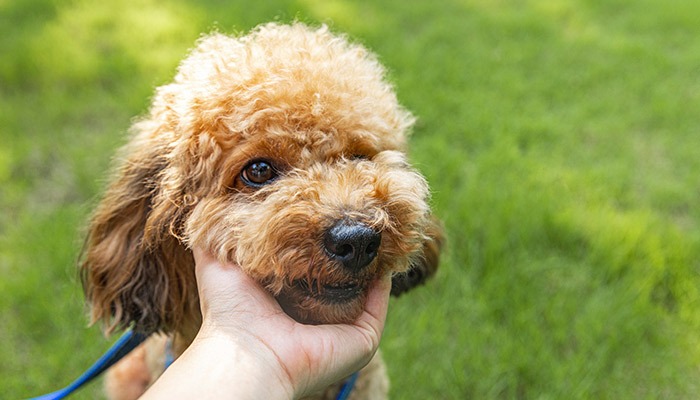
425, 263
273, 242
279, 243
403, 194
222, 226
417, 237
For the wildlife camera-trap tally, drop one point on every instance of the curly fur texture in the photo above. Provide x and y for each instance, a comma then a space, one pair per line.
319, 110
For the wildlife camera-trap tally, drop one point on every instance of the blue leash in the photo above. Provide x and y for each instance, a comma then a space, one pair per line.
127, 342
347, 387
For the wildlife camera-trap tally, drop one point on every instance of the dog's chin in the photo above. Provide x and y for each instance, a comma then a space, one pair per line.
319, 303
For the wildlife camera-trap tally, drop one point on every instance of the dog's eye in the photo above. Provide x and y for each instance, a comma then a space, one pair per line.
258, 173
360, 157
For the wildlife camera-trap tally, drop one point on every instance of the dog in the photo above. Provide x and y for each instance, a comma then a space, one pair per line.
283, 151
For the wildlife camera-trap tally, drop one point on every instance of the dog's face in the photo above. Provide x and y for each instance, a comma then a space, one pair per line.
315, 227
281, 151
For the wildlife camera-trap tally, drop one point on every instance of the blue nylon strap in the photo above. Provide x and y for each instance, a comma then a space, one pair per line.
347, 387
127, 342
169, 357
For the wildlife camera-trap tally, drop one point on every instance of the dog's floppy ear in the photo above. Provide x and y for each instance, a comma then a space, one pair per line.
135, 271
425, 265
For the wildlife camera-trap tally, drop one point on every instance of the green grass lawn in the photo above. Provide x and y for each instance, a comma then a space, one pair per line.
561, 140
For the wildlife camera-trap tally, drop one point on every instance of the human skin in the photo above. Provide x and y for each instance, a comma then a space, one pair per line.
248, 348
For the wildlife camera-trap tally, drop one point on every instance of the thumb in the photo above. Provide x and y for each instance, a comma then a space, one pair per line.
225, 288
365, 333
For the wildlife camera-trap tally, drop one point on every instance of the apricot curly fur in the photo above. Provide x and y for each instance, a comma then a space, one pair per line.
319, 110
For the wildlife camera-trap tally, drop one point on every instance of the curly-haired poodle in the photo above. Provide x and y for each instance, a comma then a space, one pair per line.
281, 151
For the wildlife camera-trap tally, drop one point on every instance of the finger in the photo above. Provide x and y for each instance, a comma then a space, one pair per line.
202, 257
360, 340
212, 274
210, 271
219, 282
378, 300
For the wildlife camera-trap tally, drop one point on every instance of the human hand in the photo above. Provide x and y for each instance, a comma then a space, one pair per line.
252, 349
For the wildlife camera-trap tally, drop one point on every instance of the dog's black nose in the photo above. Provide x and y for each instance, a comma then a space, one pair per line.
352, 243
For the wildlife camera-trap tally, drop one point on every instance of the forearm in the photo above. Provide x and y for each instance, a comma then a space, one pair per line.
217, 369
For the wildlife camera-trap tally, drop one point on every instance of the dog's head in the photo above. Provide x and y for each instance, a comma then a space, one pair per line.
282, 151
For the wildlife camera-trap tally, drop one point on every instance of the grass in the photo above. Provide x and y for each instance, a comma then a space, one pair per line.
560, 139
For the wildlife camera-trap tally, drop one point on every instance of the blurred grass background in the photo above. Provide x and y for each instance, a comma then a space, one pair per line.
560, 137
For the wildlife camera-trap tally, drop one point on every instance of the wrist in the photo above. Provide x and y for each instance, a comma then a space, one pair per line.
246, 368
226, 368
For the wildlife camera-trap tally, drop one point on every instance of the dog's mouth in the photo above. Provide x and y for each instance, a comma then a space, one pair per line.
331, 293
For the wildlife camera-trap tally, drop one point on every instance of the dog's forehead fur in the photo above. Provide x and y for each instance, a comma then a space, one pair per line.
290, 83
